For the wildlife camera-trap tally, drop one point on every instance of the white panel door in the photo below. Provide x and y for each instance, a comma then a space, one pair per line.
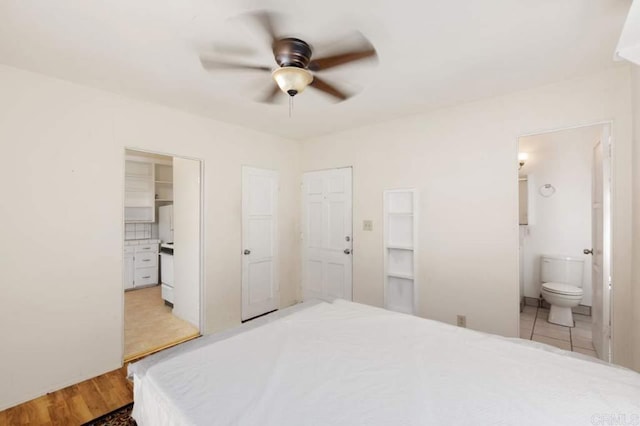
260, 286
186, 236
601, 246
327, 234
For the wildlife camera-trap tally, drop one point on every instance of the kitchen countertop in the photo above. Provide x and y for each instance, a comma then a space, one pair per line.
140, 242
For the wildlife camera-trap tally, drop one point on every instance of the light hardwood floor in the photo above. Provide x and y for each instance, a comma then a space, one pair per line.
75, 404
149, 325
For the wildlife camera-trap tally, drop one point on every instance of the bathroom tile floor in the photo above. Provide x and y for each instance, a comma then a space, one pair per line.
534, 326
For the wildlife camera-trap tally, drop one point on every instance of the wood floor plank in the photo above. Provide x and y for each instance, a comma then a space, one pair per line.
15, 416
60, 414
122, 386
80, 409
42, 410
105, 388
77, 409
92, 397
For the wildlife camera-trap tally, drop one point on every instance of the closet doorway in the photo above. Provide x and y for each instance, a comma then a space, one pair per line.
162, 251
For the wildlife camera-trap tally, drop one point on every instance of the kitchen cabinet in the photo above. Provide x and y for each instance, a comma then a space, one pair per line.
139, 192
163, 184
128, 272
140, 266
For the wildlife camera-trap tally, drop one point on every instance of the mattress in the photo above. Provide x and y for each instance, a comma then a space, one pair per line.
343, 363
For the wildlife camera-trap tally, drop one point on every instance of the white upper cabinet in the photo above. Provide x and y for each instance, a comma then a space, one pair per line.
139, 192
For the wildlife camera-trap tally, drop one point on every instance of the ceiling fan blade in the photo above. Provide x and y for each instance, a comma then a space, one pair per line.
271, 96
341, 59
233, 49
212, 65
329, 89
267, 20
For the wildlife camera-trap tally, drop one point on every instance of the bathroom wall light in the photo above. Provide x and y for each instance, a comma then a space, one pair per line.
522, 158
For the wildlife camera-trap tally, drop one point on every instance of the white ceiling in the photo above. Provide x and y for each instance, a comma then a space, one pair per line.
431, 53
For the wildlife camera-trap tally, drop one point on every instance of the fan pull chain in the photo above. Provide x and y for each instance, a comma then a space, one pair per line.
290, 105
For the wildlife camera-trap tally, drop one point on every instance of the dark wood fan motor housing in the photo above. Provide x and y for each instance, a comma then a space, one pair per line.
292, 52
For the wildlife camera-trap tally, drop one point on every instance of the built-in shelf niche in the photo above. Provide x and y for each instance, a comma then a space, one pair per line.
400, 229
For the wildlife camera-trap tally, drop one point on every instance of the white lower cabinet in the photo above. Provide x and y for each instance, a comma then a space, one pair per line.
140, 266
145, 276
128, 268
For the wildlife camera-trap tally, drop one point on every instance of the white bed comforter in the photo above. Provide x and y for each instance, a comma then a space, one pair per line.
343, 363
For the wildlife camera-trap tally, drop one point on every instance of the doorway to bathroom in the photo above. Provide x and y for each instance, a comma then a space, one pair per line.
564, 185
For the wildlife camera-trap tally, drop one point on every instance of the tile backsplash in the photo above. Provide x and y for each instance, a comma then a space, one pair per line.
137, 231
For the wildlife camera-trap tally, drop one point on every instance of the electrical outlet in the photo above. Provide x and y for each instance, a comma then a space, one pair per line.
367, 225
462, 321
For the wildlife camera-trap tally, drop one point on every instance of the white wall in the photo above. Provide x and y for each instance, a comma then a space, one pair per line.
61, 308
561, 224
636, 211
463, 161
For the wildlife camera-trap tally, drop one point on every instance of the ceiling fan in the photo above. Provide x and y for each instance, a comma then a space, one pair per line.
296, 68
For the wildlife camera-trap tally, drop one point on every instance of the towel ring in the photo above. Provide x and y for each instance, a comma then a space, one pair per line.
547, 190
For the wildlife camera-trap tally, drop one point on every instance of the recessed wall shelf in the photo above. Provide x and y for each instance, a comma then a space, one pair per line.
399, 247
400, 234
399, 275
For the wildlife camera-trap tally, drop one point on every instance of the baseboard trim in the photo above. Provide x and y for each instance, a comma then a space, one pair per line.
531, 301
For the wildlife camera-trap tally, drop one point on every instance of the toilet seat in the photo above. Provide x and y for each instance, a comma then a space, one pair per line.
562, 289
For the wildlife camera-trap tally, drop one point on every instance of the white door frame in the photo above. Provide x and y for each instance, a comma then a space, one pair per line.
202, 293
605, 273
303, 207
609, 123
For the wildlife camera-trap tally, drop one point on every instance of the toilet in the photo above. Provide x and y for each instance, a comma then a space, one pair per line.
561, 278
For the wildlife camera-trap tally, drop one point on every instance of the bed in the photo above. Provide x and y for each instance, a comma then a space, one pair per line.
343, 363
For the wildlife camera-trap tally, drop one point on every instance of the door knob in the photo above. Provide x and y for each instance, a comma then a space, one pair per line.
347, 251
587, 251
247, 251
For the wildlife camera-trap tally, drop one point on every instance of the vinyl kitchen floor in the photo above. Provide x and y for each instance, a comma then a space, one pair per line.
150, 325
534, 326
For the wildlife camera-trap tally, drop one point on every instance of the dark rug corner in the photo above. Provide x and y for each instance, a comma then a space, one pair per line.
119, 417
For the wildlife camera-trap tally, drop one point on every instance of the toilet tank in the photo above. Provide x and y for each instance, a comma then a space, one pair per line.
562, 269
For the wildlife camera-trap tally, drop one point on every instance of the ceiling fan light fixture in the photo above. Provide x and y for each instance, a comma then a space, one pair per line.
292, 80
